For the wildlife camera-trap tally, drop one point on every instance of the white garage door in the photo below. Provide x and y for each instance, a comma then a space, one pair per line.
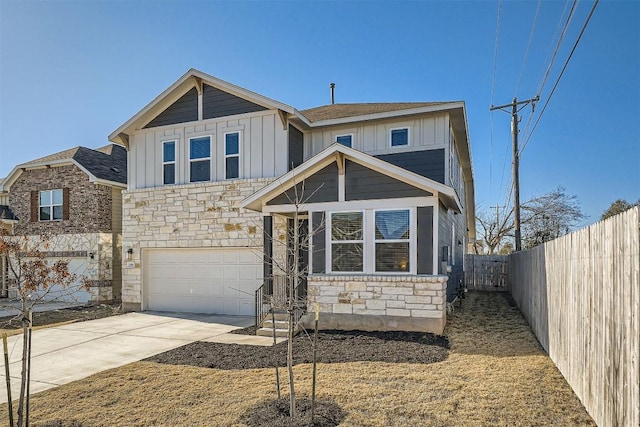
220, 281
75, 292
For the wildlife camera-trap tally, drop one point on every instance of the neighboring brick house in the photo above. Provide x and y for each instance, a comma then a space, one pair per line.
207, 211
74, 197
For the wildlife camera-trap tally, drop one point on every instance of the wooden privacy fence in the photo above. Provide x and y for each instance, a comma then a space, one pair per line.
486, 272
581, 296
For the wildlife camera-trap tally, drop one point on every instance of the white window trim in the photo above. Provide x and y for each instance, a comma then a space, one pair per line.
408, 137
369, 241
329, 242
345, 134
232, 155
50, 205
174, 162
412, 240
210, 159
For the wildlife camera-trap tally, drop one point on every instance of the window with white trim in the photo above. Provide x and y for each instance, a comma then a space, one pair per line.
392, 240
169, 162
50, 205
347, 243
399, 137
232, 155
200, 159
346, 140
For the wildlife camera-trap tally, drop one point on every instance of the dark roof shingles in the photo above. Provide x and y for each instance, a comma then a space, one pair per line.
111, 167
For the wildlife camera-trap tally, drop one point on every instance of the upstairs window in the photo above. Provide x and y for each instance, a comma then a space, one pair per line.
50, 206
169, 162
347, 244
200, 159
399, 137
392, 240
345, 140
232, 155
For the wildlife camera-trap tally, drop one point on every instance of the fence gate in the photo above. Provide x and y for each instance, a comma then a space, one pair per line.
486, 272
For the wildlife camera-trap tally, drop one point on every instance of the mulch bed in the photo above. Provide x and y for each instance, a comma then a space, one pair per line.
41, 318
275, 413
333, 347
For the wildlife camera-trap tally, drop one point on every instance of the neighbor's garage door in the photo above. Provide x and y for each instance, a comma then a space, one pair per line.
220, 281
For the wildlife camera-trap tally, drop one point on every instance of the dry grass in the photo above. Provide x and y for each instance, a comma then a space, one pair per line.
496, 375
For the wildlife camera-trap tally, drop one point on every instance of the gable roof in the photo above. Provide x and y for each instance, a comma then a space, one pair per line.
107, 164
332, 153
192, 78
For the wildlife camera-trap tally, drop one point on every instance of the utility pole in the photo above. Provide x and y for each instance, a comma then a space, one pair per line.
516, 159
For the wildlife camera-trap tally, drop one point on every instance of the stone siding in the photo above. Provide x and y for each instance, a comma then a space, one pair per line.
95, 253
372, 302
201, 215
89, 203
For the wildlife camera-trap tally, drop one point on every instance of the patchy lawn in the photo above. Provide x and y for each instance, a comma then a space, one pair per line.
496, 374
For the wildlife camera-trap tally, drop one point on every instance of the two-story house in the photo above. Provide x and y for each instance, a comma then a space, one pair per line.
74, 199
385, 197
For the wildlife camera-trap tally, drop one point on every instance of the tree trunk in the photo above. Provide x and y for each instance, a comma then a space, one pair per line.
292, 286
23, 376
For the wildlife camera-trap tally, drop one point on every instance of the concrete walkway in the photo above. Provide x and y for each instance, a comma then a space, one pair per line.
71, 352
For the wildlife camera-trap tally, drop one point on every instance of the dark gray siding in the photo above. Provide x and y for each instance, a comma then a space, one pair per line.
183, 110
362, 183
320, 187
428, 163
218, 103
448, 221
318, 230
425, 240
296, 148
268, 247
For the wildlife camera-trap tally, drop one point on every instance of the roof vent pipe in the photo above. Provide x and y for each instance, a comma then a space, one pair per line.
333, 87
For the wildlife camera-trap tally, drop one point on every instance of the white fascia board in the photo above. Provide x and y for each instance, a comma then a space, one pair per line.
389, 114
107, 182
405, 202
186, 82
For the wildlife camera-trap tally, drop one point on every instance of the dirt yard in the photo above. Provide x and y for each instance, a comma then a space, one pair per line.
11, 325
494, 374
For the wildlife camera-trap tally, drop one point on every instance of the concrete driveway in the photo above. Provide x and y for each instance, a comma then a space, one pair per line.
71, 352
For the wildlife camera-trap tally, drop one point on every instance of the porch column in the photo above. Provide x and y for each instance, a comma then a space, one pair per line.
267, 263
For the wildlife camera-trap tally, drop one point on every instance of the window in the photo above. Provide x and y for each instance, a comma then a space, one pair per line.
169, 162
392, 241
200, 159
50, 207
399, 137
345, 140
232, 155
347, 242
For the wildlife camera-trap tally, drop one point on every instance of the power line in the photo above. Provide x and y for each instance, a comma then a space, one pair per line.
564, 67
526, 54
555, 53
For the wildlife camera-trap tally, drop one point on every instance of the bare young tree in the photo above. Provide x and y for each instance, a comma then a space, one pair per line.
32, 278
543, 218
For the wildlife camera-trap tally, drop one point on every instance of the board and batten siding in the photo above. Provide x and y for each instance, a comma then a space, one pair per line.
581, 295
262, 137
374, 137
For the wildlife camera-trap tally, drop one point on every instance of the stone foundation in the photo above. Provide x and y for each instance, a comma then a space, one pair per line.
379, 303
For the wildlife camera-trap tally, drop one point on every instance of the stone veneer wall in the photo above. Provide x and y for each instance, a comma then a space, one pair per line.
199, 215
372, 302
98, 273
89, 203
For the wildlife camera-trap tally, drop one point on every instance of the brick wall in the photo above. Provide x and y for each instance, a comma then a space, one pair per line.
89, 203
372, 302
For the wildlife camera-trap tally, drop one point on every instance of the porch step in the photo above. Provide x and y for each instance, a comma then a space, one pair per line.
280, 324
268, 332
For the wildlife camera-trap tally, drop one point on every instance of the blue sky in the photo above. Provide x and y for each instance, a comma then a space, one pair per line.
72, 72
